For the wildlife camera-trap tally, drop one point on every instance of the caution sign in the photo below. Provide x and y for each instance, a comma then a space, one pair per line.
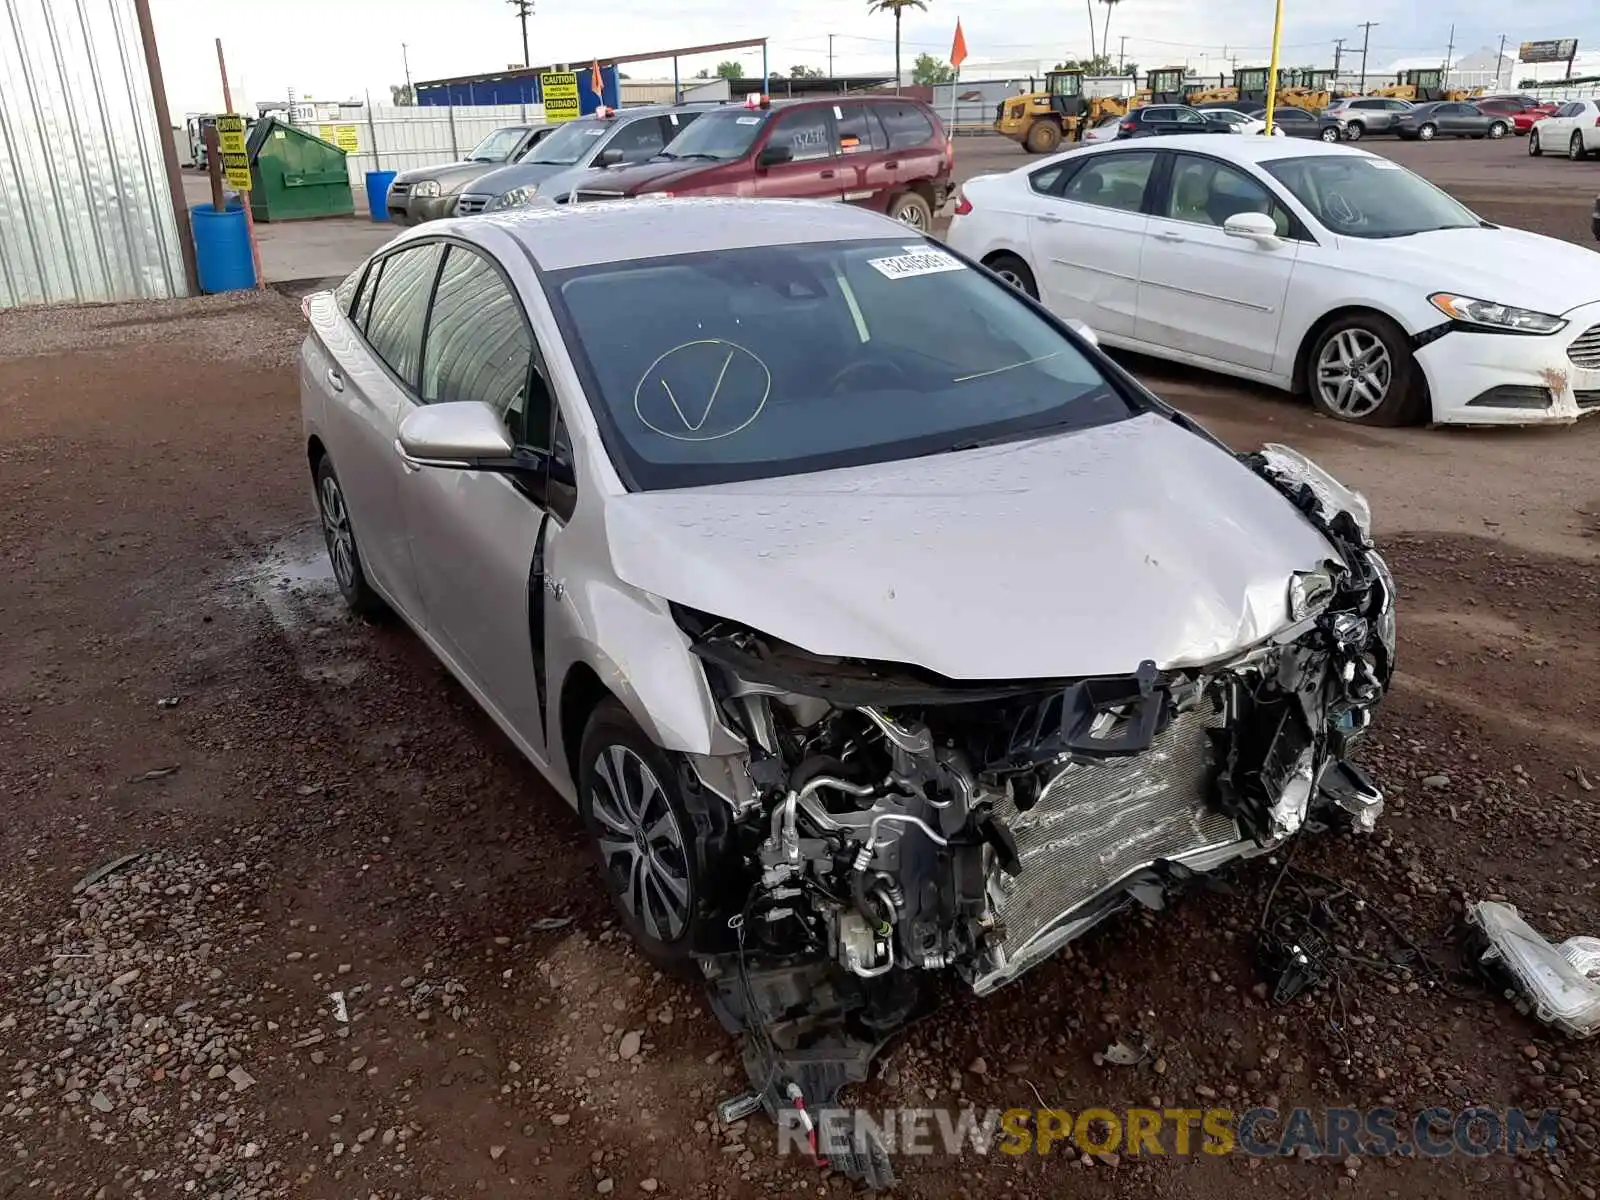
235, 162
560, 90
346, 137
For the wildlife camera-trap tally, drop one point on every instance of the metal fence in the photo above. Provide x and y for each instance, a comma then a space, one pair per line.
85, 208
397, 139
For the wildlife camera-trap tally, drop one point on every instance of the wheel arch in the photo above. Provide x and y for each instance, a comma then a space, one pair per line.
1302, 357
315, 452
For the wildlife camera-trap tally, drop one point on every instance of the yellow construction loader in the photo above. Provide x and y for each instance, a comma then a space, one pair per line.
1422, 86
1041, 121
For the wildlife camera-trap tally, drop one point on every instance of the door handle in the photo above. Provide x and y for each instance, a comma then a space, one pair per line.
335, 380
1049, 220
891, 164
826, 175
1169, 237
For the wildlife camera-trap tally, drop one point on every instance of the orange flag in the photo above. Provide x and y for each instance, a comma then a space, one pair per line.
597, 82
958, 51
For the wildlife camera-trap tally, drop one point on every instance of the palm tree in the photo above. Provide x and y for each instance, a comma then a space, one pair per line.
897, 7
1105, 38
1089, 4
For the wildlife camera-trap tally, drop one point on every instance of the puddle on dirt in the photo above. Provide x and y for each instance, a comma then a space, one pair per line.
293, 581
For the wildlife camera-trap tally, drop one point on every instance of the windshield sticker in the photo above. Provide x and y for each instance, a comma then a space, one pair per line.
597, 131
702, 391
907, 266
1384, 164
747, 120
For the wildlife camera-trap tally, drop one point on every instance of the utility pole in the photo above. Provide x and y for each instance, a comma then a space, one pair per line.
1366, 34
830, 56
524, 10
405, 58
1338, 55
1448, 51
1500, 60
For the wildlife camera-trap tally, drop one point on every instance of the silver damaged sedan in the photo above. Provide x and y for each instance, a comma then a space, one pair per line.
876, 623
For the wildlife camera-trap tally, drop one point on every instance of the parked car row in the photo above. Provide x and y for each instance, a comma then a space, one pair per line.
887, 153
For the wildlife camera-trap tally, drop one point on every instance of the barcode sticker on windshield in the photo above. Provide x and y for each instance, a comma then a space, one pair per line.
747, 120
904, 266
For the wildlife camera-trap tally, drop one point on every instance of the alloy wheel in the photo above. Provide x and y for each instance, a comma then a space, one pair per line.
1330, 134
1426, 133
336, 532
641, 843
1354, 372
1010, 276
911, 214
1497, 130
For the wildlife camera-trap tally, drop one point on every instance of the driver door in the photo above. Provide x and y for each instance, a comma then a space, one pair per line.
473, 535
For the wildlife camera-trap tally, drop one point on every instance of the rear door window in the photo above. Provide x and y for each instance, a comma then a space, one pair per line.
400, 308
1112, 181
860, 130
906, 124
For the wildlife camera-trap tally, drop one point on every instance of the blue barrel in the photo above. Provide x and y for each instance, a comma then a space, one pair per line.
378, 193
222, 248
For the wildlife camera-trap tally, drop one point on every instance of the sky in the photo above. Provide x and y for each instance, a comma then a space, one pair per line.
338, 49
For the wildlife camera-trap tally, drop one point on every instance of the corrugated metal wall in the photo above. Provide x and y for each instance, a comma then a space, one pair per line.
85, 209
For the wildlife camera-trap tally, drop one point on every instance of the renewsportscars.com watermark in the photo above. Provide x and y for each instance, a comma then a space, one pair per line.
1266, 1132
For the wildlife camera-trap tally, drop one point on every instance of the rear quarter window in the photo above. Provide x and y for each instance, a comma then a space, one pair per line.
906, 124
345, 293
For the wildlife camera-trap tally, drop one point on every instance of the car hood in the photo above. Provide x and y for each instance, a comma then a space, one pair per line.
654, 173
1079, 554
451, 176
1502, 266
502, 179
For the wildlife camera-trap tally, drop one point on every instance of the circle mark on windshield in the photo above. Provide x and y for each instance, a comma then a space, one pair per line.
703, 390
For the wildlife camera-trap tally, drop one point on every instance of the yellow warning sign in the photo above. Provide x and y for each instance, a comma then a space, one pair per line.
235, 162
560, 96
346, 137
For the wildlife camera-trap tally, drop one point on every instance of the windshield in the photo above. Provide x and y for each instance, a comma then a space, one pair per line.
780, 360
1358, 195
570, 143
498, 146
723, 136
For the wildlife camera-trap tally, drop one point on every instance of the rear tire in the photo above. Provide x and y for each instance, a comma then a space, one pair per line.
1014, 272
1534, 149
1331, 134
1355, 131
1361, 371
1044, 137
911, 209
1575, 150
339, 535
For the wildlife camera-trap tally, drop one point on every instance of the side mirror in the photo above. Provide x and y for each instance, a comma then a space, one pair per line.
609, 158
1256, 227
1083, 331
772, 156
464, 435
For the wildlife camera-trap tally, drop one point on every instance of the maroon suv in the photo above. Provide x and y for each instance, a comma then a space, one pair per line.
882, 152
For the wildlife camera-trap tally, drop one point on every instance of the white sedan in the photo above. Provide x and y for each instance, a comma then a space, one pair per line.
1309, 266
1242, 122
1573, 130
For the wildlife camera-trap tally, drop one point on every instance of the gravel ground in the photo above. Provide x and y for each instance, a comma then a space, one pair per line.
362, 951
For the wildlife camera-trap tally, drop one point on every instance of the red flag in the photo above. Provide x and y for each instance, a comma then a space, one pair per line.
597, 82
958, 51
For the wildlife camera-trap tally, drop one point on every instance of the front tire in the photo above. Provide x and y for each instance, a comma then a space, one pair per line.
1013, 271
1497, 130
1361, 370
340, 538
650, 847
1575, 150
1044, 137
1428, 132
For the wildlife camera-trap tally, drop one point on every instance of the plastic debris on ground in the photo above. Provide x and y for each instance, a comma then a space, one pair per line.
1560, 985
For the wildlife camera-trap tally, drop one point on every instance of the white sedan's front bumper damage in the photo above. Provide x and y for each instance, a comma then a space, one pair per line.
1482, 378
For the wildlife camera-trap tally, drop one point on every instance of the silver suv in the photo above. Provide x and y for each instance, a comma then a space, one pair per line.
567, 157
1361, 115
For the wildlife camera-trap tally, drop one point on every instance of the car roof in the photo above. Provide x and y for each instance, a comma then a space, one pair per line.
1234, 148
579, 235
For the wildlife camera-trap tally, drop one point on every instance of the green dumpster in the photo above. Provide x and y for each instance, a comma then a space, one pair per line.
295, 174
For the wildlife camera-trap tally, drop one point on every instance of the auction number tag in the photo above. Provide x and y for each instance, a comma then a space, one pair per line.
905, 266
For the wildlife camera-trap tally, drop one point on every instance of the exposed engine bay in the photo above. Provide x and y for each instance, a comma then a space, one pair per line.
895, 823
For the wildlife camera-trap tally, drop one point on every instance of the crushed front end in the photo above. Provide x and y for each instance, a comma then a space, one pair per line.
893, 823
